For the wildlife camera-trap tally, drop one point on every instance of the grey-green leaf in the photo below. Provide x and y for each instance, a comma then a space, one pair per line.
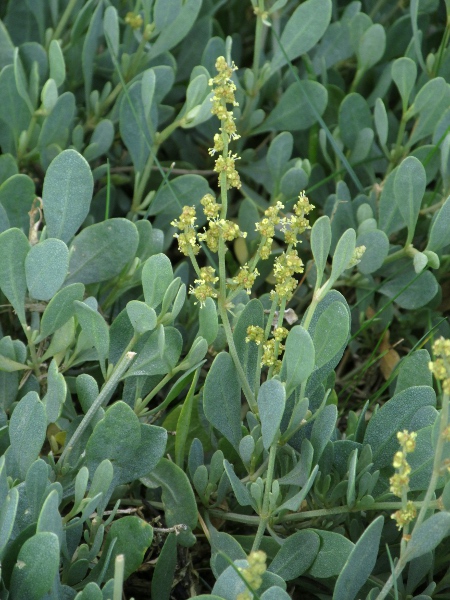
60, 309
404, 73
331, 332
343, 254
439, 231
95, 328
100, 252
321, 243
46, 268
297, 108
371, 47
430, 533
36, 567
360, 562
271, 404
222, 398
299, 358
157, 275
14, 247
67, 194
304, 29
142, 317
409, 188
296, 555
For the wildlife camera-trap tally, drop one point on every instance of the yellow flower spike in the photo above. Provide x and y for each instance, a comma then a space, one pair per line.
133, 20
204, 287
255, 334
245, 278
405, 515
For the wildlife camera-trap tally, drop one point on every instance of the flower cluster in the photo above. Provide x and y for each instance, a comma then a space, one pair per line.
226, 164
271, 348
400, 480
204, 287
223, 94
266, 228
357, 255
440, 367
244, 278
228, 230
405, 515
253, 573
133, 20
296, 223
286, 265
187, 240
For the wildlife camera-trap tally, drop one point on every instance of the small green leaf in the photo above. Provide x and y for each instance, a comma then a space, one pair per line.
56, 63
271, 404
330, 333
134, 125
323, 429
142, 317
381, 121
60, 309
293, 111
178, 498
157, 275
151, 359
377, 248
111, 30
360, 562
332, 556
303, 30
178, 28
253, 314
163, 575
36, 567
371, 47
438, 236
67, 194
296, 555
404, 73
409, 188
8, 510
208, 321
320, 244
134, 537
299, 358
222, 398
46, 268
117, 239
428, 535
27, 429
134, 448
395, 415
14, 247
95, 328
16, 197
240, 491
343, 254
56, 393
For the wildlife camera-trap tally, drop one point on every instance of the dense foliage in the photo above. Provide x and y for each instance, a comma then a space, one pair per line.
224, 280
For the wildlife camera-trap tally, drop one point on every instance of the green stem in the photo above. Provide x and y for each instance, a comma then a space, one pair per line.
443, 422
237, 363
153, 393
258, 40
101, 399
63, 20
265, 514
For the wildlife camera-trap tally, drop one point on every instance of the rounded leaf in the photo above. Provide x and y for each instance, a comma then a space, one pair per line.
46, 268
